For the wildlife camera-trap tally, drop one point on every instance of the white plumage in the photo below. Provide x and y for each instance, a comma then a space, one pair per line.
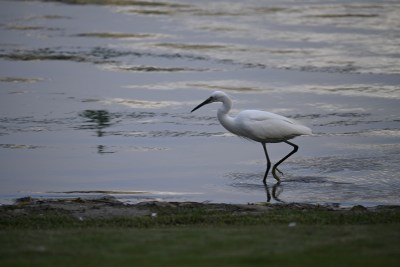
260, 126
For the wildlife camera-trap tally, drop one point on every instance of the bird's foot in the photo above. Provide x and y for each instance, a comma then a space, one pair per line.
276, 176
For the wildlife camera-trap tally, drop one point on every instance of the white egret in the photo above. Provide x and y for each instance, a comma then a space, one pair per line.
260, 126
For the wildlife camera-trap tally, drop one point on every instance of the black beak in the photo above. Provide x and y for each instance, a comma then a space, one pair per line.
208, 101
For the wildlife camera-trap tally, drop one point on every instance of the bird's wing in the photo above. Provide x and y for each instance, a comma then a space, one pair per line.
258, 115
268, 127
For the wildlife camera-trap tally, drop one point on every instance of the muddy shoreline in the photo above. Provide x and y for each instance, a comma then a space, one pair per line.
108, 207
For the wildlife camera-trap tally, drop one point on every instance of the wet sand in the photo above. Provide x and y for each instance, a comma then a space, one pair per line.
110, 208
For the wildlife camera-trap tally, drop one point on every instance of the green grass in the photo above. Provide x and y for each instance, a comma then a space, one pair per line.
199, 237
257, 245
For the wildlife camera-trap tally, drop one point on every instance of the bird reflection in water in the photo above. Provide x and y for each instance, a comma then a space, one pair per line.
276, 190
97, 120
247, 182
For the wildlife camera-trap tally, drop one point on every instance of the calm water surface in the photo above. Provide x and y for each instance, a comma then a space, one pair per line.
95, 99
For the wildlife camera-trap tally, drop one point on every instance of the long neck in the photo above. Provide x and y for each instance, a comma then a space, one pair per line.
223, 117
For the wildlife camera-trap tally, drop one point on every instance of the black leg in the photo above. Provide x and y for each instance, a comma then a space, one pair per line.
268, 163
295, 148
267, 192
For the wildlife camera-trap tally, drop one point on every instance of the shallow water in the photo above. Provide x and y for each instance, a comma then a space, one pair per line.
96, 99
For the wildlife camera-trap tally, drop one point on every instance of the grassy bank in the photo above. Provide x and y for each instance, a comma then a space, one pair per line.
202, 235
303, 245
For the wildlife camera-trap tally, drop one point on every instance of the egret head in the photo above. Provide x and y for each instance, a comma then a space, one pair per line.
216, 96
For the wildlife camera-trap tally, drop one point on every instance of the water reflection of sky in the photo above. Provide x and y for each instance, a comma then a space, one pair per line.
96, 98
